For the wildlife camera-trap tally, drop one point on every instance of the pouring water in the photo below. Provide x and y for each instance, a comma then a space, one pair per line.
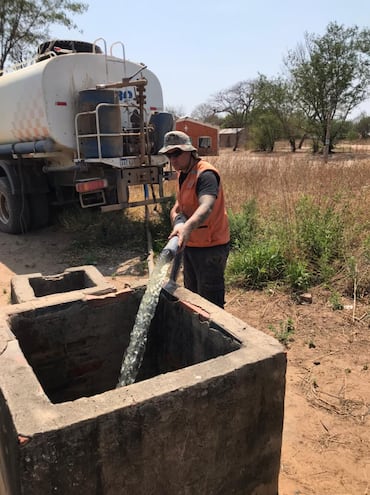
135, 351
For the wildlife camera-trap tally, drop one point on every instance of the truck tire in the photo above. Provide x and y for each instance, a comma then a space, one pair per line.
39, 208
14, 211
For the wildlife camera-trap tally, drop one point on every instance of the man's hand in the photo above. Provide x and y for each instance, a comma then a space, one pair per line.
183, 230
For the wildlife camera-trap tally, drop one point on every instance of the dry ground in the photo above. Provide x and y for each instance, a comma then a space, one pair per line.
326, 443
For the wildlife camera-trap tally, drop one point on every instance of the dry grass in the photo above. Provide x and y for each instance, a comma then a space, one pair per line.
278, 180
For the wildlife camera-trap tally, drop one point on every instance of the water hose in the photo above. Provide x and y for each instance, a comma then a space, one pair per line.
168, 253
177, 261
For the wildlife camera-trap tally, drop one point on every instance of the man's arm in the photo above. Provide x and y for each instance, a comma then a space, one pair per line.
200, 215
175, 210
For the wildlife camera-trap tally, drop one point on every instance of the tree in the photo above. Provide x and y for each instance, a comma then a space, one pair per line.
177, 111
330, 75
237, 103
206, 113
265, 130
345, 130
362, 126
24, 24
275, 97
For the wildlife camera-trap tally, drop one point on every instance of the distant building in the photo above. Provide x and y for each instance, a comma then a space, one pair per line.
228, 137
203, 136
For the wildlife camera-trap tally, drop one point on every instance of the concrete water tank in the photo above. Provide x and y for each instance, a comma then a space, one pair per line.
205, 415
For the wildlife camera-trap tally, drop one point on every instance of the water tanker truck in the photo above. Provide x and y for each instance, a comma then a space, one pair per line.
79, 125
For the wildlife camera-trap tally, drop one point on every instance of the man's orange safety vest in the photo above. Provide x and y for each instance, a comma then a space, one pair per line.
215, 230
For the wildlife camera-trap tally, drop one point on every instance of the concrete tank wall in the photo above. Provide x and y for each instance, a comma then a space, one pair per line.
205, 415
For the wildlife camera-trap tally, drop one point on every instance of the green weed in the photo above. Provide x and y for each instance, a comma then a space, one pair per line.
285, 332
335, 301
297, 275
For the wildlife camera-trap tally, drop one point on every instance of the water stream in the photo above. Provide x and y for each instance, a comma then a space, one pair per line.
135, 350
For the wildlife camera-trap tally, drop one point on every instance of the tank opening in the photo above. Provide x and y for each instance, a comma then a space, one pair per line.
76, 348
60, 47
65, 282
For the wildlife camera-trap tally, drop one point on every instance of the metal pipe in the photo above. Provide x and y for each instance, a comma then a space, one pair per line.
6, 149
58, 168
42, 146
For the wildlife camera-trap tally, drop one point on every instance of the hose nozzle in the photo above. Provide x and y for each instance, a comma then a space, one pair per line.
169, 251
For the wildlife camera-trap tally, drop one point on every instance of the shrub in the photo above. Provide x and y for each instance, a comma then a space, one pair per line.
243, 225
255, 265
160, 225
95, 229
319, 236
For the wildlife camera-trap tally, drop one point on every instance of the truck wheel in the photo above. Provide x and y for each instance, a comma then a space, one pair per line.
39, 208
14, 212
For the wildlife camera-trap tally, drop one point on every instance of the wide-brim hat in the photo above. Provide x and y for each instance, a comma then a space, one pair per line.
176, 140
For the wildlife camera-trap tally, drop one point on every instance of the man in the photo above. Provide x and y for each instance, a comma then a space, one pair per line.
204, 238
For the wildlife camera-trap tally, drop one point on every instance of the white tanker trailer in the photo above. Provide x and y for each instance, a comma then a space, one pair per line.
78, 125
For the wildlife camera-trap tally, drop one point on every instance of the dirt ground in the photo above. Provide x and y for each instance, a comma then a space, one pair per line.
326, 440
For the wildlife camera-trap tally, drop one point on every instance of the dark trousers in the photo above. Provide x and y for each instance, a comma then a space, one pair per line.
204, 269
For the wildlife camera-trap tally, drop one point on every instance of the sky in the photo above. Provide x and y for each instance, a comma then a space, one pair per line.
200, 47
